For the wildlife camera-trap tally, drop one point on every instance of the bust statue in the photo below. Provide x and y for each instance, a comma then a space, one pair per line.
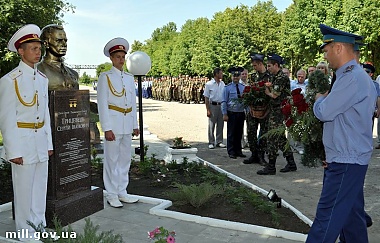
60, 76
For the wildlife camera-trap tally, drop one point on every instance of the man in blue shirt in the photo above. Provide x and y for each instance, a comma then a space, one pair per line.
347, 136
233, 113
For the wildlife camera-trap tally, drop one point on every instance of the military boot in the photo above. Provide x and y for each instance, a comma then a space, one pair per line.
269, 169
262, 160
291, 165
252, 160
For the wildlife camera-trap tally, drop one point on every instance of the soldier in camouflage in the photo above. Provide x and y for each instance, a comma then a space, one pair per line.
257, 146
278, 90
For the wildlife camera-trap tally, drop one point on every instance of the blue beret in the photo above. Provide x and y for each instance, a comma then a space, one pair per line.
276, 58
334, 35
235, 70
258, 57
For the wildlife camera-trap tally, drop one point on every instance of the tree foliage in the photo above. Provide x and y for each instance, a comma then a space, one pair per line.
230, 36
103, 67
85, 79
16, 13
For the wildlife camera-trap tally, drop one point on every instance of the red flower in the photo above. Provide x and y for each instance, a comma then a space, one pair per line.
255, 88
302, 108
286, 110
298, 99
284, 102
296, 91
261, 83
247, 89
289, 122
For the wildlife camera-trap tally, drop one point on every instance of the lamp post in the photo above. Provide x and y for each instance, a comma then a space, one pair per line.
139, 64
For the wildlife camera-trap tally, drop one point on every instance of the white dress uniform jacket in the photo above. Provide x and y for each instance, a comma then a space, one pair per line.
30, 144
112, 94
25, 125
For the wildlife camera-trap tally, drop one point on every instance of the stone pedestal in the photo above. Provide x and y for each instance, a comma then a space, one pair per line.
179, 154
70, 197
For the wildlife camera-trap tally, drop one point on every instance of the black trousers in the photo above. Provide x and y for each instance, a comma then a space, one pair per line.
235, 125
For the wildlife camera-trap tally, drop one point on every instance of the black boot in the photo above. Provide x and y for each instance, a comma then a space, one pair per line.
269, 169
252, 160
262, 160
291, 166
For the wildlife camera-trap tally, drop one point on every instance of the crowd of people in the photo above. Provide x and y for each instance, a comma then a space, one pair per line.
184, 89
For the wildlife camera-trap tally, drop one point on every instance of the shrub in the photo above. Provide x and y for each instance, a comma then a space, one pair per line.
195, 195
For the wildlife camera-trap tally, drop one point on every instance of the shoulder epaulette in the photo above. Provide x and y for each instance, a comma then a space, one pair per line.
15, 73
42, 74
130, 74
348, 69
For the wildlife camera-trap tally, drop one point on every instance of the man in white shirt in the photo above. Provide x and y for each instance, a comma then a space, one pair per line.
213, 94
299, 83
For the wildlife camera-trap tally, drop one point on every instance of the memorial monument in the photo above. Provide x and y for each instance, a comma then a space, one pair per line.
70, 197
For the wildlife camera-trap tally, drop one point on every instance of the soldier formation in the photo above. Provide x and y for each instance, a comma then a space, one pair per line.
183, 89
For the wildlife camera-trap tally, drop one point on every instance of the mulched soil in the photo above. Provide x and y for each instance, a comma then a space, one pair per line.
219, 207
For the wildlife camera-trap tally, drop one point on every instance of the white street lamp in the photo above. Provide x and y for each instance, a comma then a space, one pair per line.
139, 64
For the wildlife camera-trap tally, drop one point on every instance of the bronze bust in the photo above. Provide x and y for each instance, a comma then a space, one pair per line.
60, 76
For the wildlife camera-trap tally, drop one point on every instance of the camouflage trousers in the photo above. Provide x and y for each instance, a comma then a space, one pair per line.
257, 144
276, 142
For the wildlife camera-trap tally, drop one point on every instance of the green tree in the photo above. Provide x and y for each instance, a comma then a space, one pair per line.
191, 32
363, 17
137, 46
103, 67
85, 79
16, 13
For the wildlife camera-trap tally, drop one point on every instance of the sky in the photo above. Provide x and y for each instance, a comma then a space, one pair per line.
95, 22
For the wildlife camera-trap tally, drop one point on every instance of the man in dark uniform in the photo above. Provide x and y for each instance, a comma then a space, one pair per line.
257, 146
233, 113
278, 90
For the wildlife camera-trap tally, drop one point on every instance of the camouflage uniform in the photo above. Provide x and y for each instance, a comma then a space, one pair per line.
280, 87
257, 145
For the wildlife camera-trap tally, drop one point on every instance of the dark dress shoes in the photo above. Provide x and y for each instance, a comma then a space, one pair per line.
232, 156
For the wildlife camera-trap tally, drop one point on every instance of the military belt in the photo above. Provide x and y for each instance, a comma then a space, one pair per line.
119, 109
30, 125
215, 103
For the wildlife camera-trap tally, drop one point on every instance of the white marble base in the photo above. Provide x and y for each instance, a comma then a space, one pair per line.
179, 154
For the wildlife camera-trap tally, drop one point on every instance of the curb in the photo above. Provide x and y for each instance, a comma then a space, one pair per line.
160, 210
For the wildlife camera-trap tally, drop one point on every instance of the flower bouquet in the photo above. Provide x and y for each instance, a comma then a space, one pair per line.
300, 121
162, 235
255, 98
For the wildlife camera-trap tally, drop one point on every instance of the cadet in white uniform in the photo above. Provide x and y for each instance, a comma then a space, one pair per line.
25, 125
118, 118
